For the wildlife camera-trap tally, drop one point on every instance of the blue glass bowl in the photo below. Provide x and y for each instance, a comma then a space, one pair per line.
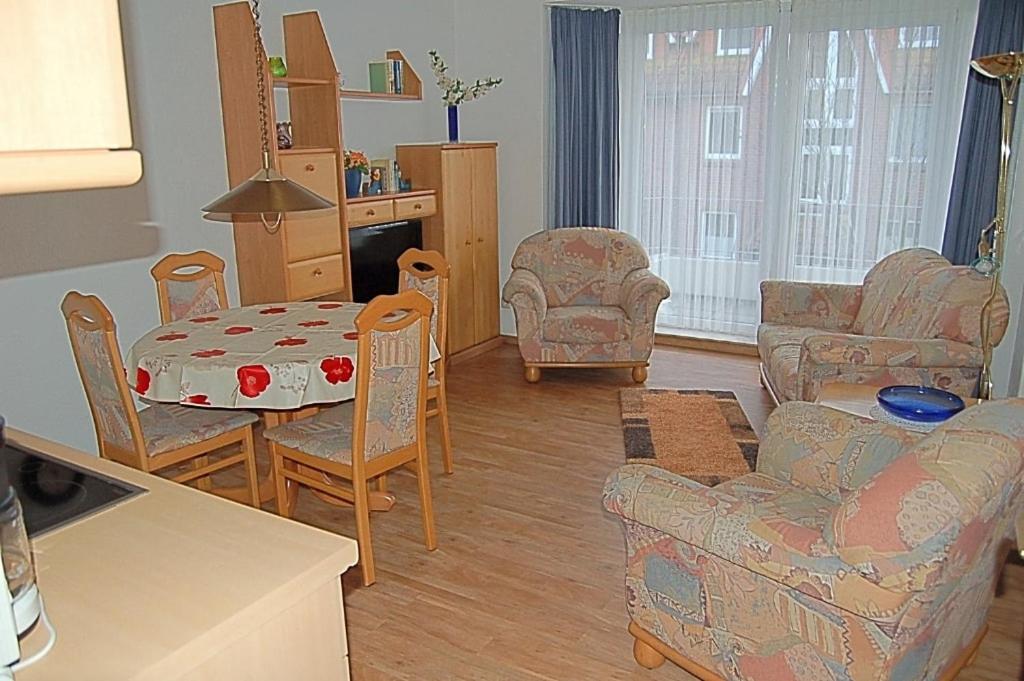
918, 403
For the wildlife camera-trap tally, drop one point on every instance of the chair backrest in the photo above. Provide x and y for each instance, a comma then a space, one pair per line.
391, 375
942, 509
428, 272
917, 293
94, 343
581, 265
192, 293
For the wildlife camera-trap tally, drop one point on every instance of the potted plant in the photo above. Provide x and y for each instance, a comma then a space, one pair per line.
455, 92
356, 165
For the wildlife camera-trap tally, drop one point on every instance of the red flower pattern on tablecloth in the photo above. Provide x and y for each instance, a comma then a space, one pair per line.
288, 342
142, 380
351, 335
197, 399
203, 320
236, 330
274, 310
203, 354
330, 306
253, 379
315, 322
172, 336
337, 369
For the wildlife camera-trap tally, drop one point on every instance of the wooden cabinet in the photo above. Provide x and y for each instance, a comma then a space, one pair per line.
464, 229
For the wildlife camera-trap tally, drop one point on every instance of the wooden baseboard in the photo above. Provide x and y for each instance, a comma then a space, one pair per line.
710, 344
476, 350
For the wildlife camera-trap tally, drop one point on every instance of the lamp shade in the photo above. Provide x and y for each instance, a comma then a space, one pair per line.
265, 193
1006, 65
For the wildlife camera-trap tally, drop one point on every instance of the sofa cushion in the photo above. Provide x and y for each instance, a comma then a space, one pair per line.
885, 284
771, 336
581, 265
587, 324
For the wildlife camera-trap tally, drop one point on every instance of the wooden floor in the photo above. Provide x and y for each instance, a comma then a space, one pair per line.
527, 582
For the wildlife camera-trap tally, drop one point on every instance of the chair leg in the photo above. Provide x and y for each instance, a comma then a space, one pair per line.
426, 503
249, 449
280, 484
362, 507
382, 483
204, 483
446, 435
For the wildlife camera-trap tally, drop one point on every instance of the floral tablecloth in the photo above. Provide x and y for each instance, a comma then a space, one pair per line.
281, 356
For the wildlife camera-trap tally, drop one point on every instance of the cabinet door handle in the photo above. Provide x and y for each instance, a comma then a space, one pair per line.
469, 242
417, 206
479, 239
370, 212
310, 167
318, 272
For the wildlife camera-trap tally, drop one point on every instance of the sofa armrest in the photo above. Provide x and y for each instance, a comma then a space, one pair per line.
881, 351
642, 292
826, 451
820, 306
524, 290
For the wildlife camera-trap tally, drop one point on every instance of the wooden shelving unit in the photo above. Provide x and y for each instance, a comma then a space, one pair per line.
292, 81
412, 86
305, 150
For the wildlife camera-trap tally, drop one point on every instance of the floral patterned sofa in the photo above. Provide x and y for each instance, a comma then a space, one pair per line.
857, 551
583, 297
915, 320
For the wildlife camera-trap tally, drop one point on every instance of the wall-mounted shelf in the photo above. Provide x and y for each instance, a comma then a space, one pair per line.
412, 86
292, 81
305, 150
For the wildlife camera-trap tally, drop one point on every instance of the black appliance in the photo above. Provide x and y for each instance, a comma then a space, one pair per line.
54, 492
375, 251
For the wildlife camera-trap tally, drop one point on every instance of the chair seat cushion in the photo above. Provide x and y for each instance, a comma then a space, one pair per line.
586, 324
777, 499
327, 435
166, 427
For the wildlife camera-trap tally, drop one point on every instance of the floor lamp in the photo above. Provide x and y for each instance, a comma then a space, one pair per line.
1007, 69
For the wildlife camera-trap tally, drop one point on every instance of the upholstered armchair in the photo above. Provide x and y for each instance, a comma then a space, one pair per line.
858, 551
915, 320
583, 297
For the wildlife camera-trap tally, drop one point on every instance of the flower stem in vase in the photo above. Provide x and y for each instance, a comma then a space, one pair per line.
453, 124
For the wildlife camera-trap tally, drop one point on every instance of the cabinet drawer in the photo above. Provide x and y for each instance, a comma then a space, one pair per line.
415, 207
316, 172
311, 278
312, 235
370, 212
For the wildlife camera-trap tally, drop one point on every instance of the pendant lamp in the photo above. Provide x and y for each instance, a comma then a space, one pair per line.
267, 194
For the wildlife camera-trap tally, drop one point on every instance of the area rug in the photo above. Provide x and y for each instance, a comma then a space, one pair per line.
699, 434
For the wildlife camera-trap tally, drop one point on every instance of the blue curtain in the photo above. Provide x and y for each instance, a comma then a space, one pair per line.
584, 135
972, 201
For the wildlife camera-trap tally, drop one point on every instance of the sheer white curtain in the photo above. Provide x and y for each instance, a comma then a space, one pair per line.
767, 140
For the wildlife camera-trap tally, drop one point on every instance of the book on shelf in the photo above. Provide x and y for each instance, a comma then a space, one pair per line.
386, 76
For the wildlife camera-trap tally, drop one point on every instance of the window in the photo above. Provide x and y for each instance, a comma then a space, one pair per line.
733, 41
908, 133
918, 36
898, 234
718, 235
723, 132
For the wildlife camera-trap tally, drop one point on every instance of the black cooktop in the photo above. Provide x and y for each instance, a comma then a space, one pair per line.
54, 493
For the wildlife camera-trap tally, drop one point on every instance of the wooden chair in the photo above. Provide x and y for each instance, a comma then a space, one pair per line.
383, 430
184, 295
428, 272
160, 435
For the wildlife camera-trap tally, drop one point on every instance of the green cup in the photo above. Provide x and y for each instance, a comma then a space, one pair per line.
277, 67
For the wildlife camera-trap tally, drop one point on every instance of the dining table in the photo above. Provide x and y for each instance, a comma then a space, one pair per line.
283, 360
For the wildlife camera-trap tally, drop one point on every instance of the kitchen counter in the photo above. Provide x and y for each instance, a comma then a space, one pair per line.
179, 584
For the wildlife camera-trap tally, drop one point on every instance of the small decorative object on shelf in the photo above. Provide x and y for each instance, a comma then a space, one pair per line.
277, 67
284, 135
454, 91
356, 165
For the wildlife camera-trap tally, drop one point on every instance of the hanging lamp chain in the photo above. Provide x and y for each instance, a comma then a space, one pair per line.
261, 81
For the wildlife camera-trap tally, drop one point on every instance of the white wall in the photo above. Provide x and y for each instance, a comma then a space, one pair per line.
104, 242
